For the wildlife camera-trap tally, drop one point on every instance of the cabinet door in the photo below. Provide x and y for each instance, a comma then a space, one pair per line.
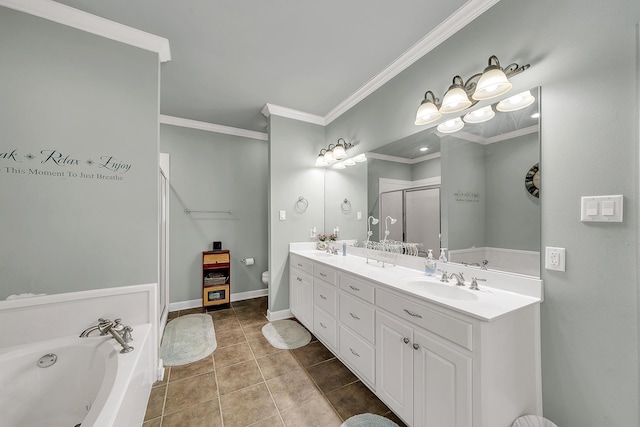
394, 365
301, 297
442, 384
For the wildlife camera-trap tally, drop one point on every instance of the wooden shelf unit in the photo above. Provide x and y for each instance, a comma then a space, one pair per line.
216, 278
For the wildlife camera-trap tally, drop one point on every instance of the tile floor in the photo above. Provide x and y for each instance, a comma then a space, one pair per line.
247, 382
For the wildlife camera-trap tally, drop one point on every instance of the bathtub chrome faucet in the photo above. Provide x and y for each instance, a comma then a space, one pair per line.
120, 333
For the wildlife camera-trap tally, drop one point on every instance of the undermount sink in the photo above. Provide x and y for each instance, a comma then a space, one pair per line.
322, 255
441, 290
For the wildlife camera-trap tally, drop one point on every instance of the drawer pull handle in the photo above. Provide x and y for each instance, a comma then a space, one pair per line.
323, 275
354, 316
354, 288
411, 313
322, 324
354, 352
299, 265
298, 279
416, 346
405, 340
322, 296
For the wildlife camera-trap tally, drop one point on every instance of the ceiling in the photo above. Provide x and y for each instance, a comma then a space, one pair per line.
229, 58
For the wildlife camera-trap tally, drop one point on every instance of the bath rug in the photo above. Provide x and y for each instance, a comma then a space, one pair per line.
188, 339
286, 334
368, 420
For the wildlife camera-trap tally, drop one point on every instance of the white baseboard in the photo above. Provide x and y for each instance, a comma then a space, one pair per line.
279, 315
249, 294
194, 303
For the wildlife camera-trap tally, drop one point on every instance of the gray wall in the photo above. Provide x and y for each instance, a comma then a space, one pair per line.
584, 56
512, 214
427, 169
293, 147
86, 98
350, 184
212, 171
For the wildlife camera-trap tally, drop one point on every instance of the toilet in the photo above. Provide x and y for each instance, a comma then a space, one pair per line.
532, 421
265, 278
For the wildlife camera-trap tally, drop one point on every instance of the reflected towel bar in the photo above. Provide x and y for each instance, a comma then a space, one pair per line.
188, 211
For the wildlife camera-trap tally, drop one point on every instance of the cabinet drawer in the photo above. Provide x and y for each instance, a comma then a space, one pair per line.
450, 328
358, 316
324, 327
358, 288
325, 273
358, 353
324, 296
301, 263
215, 259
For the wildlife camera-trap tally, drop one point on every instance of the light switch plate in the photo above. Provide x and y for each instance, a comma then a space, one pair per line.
283, 215
554, 258
601, 208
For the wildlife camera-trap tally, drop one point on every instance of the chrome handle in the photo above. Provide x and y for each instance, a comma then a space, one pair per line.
411, 313
322, 324
416, 346
406, 340
323, 275
298, 279
354, 288
299, 265
322, 296
354, 316
354, 353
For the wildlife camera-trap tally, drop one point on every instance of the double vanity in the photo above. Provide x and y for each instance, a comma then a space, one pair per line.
437, 354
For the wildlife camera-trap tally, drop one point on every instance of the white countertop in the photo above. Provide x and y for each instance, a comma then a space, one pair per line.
487, 304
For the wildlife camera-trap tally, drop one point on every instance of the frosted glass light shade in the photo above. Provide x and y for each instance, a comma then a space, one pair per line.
456, 99
328, 157
320, 161
339, 152
492, 83
480, 115
349, 162
360, 158
339, 166
451, 126
516, 102
427, 113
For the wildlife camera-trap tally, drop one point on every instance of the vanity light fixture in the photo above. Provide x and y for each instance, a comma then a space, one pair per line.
333, 153
480, 115
451, 126
349, 162
340, 165
516, 102
360, 158
492, 82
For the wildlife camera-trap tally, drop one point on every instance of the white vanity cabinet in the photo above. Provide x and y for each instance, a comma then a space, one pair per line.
301, 290
433, 365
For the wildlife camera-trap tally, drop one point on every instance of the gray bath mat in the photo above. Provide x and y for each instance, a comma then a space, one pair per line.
368, 420
286, 334
188, 339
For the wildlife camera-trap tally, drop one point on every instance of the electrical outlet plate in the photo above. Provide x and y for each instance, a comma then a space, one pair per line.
554, 258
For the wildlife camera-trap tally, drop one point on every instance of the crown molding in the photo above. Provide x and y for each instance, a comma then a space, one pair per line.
210, 127
290, 113
404, 160
460, 18
65, 15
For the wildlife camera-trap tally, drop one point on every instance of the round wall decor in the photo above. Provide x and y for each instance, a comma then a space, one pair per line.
532, 180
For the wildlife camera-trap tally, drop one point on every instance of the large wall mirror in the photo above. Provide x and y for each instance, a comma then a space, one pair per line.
474, 191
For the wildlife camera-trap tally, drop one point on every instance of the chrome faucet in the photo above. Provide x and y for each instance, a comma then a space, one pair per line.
119, 332
459, 278
444, 277
474, 283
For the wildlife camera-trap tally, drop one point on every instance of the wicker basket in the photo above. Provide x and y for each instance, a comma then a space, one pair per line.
215, 280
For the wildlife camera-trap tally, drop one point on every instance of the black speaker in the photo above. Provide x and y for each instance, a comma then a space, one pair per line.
217, 246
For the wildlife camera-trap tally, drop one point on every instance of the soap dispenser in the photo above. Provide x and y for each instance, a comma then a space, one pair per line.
443, 256
430, 264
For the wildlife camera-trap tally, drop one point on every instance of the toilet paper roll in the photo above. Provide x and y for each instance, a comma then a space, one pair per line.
248, 261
